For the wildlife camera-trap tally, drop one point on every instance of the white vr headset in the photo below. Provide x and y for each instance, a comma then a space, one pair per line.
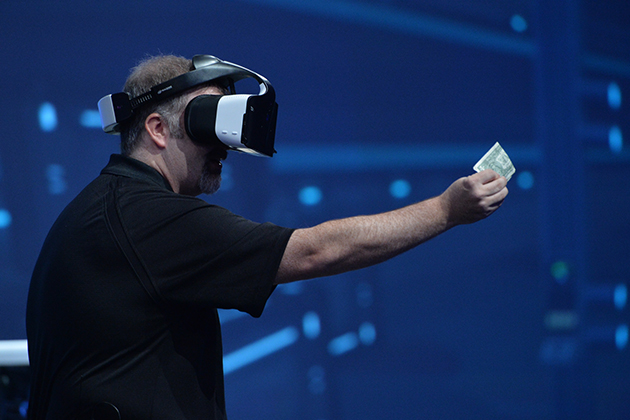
242, 122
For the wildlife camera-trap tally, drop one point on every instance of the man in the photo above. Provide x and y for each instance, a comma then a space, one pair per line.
122, 306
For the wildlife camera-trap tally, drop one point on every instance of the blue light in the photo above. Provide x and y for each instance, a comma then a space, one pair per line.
518, 23
55, 174
400, 188
367, 333
615, 139
47, 117
365, 297
342, 158
311, 325
292, 289
310, 196
560, 271
259, 349
621, 296
525, 180
5, 219
343, 344
317, 380
90, 119
614, 95
621, 336
23, 408
386, 15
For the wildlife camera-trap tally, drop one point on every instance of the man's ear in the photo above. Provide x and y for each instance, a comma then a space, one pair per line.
157, 129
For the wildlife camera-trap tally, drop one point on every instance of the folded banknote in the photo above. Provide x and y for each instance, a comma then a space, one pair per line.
497, 160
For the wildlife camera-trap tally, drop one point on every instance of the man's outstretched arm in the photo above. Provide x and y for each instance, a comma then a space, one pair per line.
342, 245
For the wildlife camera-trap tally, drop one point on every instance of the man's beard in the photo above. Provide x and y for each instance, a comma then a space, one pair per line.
210, 182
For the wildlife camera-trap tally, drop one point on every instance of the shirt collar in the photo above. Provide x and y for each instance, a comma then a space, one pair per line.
132, 168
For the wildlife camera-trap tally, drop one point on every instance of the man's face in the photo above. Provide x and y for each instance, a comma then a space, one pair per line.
201, 163
210, 180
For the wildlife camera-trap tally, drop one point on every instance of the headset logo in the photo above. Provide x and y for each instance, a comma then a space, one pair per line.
165, 89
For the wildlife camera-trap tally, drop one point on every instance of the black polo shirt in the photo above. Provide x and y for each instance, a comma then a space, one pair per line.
152, 347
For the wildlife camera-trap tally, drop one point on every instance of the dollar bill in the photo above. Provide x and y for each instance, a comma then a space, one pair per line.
497, 160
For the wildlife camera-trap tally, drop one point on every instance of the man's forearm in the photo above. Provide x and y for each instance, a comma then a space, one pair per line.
342, 245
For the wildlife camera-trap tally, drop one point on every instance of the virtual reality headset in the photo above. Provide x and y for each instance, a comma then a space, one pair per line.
243, 122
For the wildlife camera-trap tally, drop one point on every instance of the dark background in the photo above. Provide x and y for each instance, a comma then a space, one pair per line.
520, 316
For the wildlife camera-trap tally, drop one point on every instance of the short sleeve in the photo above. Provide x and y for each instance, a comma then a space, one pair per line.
202, 256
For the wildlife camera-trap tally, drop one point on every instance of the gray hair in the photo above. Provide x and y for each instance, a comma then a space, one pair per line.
148, 73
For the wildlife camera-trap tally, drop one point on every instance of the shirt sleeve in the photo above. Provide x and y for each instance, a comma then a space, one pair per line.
201, 256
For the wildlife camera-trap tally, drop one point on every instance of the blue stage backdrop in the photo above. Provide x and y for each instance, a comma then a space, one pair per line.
382, 103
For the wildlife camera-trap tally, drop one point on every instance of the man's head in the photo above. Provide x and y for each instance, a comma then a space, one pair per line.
156, 134
148, 73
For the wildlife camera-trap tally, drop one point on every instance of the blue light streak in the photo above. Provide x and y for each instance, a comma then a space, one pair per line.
397, 19
90, 119
349, 158
606, 64
259, 349
343, 344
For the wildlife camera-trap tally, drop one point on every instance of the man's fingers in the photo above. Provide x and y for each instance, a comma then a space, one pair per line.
485, 176
495, 186
500, 195
489, 182
492, 202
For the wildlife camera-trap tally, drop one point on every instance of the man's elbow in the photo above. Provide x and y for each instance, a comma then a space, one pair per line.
303, 259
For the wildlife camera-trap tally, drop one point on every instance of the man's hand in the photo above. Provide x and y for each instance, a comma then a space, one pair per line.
473, 198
